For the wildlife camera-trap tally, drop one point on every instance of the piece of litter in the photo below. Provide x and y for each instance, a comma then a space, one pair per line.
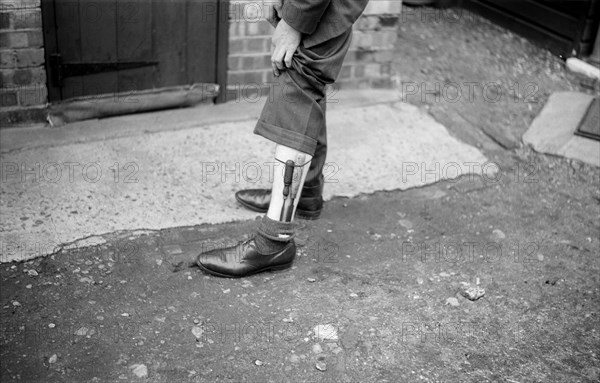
321, 366
354, 295
452, 301
471, 292
311, 279
32, 273
15, 303
259, 362
140, 370
325, 332
53, 359
197, 331
51, 325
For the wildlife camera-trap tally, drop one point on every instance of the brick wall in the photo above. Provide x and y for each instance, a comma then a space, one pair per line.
23, 94
368, 62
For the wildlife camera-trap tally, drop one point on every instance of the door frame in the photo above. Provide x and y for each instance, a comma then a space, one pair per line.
51, 47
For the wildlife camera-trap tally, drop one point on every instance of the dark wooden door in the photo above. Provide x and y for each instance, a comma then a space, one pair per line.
98, 47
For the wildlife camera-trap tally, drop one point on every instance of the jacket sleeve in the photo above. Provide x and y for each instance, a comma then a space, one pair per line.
304, 15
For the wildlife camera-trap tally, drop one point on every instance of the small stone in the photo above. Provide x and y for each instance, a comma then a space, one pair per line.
259, 362
540, 257
472, 292
406, 223
32, 273
452, 301
197, 331
226, 291
354, 295
89, 280
321, 366
326, 332
16, 303
28, 286
82, 331
53, 359
196, 321
159, 262
317, 349
51, 325
444, 274
140, 370
420, 280
311, 280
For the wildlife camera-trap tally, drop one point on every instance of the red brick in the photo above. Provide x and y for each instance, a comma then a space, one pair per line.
346, 72
31, 96
26, 76
13, 39
384, 56
258, 44
246, 77
8, 59
236, 29
364, 56
5, 21
21, 4
8, 97
233, 62
35, 39
236, 46
260, 28
24, 116
359, 71
256, 62
29, 57
372, 70
27, 19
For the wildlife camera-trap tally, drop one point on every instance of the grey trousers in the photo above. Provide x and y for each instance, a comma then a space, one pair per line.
295, 115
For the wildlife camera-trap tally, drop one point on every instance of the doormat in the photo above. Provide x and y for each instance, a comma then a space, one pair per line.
589, 126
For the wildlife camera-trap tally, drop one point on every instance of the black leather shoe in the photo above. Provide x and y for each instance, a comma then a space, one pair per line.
309, 206
244, 259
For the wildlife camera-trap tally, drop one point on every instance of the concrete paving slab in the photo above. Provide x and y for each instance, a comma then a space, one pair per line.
56, 194
553, 129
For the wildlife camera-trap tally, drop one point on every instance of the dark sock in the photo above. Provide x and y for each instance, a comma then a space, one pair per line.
268, 239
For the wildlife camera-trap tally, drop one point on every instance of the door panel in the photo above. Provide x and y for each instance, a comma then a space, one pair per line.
114, 46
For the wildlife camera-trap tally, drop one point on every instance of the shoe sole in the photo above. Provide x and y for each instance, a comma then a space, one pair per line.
271, 268
303, 214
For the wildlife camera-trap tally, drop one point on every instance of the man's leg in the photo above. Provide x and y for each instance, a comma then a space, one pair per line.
296, 123
310, 203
